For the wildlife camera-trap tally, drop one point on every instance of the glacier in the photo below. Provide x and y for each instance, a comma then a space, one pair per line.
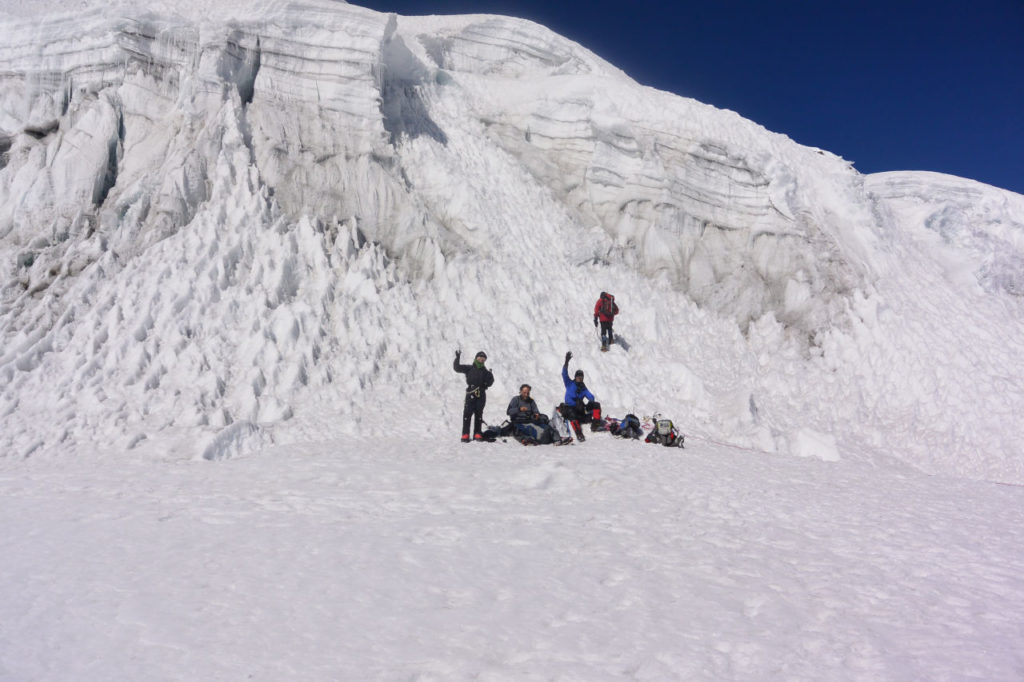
225, 229
239, 243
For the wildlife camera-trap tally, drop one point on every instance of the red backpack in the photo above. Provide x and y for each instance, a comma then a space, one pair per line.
608, 307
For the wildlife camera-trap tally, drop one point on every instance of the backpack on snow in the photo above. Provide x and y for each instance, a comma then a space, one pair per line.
493, 433
627, 427
664, 432
532, 434
608, 307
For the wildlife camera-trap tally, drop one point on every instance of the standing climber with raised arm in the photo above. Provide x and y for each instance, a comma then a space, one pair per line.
478, 380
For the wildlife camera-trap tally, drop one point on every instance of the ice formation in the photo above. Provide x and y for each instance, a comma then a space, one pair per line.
239, 226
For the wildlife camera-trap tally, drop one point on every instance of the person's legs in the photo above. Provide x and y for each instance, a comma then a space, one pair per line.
467, 413
572, 414
606, 332
478, 414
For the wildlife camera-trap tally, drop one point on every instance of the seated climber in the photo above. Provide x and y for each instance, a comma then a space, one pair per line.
574, 410
528, 425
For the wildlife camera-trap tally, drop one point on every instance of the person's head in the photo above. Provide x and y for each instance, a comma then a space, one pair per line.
480, 358
524, 391
578, 377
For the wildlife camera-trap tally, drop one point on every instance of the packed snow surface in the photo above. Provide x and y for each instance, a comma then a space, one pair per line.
239, 245
404, 560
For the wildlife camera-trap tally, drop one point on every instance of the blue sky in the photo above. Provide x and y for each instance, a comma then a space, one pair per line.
901, 85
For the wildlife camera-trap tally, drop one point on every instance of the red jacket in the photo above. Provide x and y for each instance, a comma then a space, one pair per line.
597, 308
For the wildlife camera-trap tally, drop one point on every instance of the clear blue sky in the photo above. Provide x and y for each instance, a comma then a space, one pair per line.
901, 85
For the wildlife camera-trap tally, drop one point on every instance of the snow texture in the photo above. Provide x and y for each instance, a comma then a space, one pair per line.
264, 228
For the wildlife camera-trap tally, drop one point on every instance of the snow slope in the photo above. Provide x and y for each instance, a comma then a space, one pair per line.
230, 230
246, 230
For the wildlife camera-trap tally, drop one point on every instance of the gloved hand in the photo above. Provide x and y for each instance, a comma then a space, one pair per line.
457, 354
595, 320
568, 357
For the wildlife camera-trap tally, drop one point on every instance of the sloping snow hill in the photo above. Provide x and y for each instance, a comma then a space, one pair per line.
226, 229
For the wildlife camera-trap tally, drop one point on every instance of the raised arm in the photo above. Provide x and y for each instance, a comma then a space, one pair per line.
462, 369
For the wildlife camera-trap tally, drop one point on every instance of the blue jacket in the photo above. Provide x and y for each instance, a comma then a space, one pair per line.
574, 393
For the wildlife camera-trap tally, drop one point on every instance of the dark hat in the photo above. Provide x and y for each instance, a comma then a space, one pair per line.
579, 373
525, 386
481, 354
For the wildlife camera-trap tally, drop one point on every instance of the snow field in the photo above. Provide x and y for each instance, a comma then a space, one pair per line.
387, 559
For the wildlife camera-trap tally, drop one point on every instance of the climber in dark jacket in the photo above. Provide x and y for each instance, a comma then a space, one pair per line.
478, 380
523, 408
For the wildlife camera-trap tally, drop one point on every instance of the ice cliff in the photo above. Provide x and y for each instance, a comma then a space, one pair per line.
230, 227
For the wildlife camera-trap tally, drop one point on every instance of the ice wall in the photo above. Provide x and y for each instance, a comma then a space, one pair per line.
326, 93
227, 228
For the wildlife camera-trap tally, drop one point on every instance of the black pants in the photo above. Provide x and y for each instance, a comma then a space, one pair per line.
579, 412
474, 407
606, 332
